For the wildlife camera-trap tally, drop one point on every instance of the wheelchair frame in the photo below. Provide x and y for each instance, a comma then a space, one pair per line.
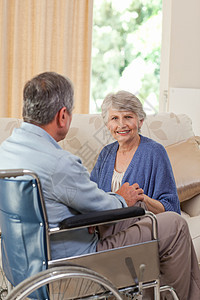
89, 266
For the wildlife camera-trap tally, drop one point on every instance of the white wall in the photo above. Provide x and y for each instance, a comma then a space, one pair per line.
184, 68
186, 101
180, 54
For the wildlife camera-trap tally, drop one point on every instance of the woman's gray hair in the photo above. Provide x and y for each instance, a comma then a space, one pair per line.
122, 101
45, 95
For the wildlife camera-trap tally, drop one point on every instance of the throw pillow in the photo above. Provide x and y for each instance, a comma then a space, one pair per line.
185, 160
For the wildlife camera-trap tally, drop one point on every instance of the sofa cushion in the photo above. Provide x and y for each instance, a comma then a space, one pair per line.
185, 161
7, 125
167, 128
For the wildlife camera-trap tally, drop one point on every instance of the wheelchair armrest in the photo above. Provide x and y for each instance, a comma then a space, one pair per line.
100, 217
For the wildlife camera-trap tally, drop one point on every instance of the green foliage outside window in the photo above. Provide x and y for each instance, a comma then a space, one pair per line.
126, 50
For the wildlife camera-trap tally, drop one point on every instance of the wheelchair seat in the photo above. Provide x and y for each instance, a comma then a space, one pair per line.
26, 255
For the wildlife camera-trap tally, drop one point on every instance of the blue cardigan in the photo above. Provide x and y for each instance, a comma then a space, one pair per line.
150, 168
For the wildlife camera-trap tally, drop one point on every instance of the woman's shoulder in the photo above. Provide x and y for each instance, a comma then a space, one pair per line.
106, 154
110, 147
151, 144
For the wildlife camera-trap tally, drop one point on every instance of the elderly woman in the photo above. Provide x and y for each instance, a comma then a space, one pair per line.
134, 159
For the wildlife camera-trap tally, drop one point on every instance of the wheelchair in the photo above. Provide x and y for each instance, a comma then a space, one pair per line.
122, 273
3, 280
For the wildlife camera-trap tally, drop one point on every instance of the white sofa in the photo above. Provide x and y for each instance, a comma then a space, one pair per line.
88, 135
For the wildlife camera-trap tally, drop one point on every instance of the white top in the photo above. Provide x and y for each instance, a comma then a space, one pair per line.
116, 180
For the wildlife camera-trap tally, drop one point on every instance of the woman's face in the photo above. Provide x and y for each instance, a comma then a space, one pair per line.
123, 125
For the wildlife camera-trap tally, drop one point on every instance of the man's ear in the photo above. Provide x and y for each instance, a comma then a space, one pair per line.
61, 117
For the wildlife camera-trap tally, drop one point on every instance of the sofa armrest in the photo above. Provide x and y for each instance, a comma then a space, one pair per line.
192, 206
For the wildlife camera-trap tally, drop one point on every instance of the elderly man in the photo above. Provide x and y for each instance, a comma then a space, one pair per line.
67, 189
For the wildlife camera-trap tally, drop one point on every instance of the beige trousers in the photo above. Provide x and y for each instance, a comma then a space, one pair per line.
178, 262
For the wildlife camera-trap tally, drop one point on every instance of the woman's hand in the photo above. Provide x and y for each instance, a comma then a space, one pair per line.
153, 205
131, 193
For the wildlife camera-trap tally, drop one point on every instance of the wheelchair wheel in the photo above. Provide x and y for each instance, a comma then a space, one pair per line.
3, 280
65, 282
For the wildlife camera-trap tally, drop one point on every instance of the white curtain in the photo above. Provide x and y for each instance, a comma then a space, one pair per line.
44, 35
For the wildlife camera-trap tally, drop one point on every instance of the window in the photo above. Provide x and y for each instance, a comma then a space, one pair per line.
126, 50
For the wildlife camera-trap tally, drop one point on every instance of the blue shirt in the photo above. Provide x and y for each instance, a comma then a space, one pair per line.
66, 185
150, 168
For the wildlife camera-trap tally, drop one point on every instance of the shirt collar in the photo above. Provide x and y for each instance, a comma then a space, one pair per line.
40, 132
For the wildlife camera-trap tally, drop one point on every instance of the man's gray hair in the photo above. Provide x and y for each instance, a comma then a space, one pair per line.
45, 95
122, 101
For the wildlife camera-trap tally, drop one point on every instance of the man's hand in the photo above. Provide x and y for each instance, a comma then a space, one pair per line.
131, 193
91, 229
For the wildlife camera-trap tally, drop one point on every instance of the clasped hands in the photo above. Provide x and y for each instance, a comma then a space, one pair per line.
131, 193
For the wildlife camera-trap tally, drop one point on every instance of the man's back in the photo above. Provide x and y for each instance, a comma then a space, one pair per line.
65, 182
